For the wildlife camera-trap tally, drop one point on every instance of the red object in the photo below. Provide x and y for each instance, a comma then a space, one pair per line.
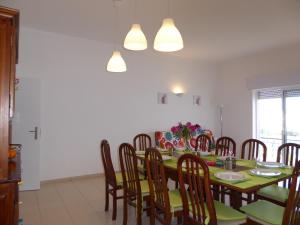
211, 163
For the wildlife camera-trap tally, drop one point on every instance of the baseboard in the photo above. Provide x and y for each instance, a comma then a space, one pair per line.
72, 178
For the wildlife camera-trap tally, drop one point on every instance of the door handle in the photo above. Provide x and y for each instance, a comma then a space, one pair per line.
35, 131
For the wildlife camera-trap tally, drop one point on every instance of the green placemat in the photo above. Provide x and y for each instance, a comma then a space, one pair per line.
251, 180
247, 163
171, 163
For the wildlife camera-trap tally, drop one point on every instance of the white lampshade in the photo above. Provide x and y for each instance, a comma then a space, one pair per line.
135, 39
168, 38
116, 63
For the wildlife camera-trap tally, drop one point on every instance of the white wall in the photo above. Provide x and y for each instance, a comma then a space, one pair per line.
272, 68
82, 103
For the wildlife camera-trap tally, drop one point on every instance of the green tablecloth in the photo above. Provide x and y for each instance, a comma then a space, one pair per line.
251, 180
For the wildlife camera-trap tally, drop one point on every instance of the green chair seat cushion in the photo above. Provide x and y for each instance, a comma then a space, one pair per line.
142, 172
141, 167
144, 187
119, 178
228, 215
274, 192
175, 200
265, 212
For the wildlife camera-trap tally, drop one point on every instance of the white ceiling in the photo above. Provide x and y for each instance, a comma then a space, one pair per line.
211, 29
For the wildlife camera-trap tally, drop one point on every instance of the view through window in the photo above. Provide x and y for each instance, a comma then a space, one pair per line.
277, 118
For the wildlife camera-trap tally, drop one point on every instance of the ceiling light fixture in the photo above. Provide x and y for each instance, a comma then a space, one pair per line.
168, 37
116, 63
135, 39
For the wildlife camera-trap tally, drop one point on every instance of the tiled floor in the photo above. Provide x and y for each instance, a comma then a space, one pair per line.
73, 202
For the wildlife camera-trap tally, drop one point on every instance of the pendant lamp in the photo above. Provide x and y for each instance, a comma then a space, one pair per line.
168, 37
116, 63
135, 39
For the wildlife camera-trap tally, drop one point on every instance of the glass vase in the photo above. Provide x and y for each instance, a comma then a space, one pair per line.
188, 145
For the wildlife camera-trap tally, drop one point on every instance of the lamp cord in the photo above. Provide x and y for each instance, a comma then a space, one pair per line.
169, 9
135, 11
116, 25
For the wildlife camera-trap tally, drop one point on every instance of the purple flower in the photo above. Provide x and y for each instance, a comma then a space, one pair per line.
186, 130
193, 128
173, 129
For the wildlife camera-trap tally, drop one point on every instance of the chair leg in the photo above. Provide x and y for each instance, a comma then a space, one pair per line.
114, 215
255, 197
216, 192
222, 194
169, 219
106, 197
179, 219
152, 216
148, 205
125, 208
249, 198
139, 213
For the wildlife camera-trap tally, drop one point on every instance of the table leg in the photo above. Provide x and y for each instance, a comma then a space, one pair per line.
216, 193
235, 199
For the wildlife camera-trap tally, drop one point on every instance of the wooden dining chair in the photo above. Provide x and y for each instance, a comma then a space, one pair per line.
141, 142
113, 181
135, 190
289, 154
203, 143
164, 203
225, 146
199, 208
253, 149
265, 212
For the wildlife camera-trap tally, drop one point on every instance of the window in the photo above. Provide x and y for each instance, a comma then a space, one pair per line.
277, 118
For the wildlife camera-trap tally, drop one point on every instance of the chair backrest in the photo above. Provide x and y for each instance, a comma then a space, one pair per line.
292, 210
289, 154
225, 146
195, 190
142, 142
129, 169
109, 171
157, 183
254, 149
203, 143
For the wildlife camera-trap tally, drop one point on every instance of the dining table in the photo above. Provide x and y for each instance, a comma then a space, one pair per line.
249, 184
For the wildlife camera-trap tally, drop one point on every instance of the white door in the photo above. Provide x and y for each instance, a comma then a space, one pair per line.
26, 131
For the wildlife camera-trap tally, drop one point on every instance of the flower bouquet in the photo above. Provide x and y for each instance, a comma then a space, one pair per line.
185, 132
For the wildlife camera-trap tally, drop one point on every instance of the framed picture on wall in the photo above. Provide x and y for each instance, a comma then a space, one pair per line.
197, 100
162, 98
